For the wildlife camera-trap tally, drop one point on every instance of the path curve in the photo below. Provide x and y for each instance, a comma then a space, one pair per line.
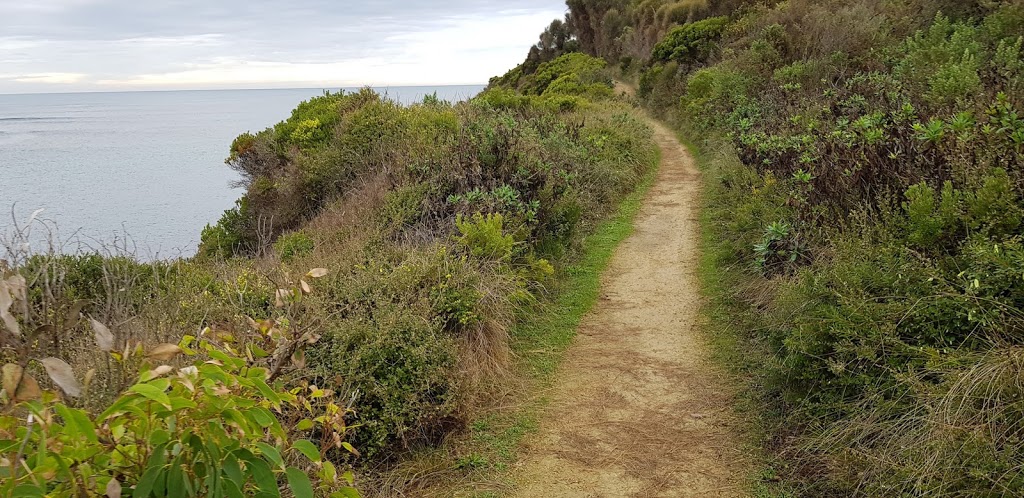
637, 409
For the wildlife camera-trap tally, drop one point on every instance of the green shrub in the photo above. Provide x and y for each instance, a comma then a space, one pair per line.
690, 43
943, 62
484, 236
929, 217
311, 120
212, 429
573, 85
403, 207
504, 99
400, 369
995, 208
712, 93
293, 245
780, 250
230, 235
307, 133
582, 68
882, 301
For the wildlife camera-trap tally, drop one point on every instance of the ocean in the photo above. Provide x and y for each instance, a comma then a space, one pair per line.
140, 170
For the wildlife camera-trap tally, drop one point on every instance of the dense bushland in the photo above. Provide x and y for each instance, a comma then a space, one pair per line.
865, 204
431, 229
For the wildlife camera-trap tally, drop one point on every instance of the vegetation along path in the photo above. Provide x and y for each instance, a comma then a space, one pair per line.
637, 409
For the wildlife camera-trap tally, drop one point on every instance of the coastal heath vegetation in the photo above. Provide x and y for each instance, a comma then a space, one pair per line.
358, 303
863, 224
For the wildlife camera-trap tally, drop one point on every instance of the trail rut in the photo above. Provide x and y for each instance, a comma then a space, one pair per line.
637, 409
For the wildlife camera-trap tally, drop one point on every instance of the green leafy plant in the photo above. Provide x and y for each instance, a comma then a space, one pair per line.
292, 245
690, 43
219, 427
484, 236
780, 249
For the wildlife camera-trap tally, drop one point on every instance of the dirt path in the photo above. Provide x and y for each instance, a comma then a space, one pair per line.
638, 410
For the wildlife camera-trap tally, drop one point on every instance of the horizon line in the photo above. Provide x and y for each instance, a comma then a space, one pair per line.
346, 87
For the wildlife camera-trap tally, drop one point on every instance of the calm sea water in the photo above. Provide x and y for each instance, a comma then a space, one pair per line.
147, 167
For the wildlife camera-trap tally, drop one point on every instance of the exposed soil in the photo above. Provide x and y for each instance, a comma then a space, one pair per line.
637, 409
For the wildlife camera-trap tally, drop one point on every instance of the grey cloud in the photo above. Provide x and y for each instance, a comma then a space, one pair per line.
118, 39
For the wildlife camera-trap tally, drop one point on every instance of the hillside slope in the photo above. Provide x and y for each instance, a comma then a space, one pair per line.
863, 222
358, 305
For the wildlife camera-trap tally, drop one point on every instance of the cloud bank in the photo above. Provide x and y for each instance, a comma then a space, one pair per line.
97, 45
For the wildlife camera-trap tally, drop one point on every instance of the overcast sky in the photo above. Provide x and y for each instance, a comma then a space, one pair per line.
107, 45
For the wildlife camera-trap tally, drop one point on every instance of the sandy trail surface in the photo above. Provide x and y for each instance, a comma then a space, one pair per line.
638, 409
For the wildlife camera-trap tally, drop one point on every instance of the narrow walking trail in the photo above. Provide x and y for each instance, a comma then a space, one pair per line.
637, 409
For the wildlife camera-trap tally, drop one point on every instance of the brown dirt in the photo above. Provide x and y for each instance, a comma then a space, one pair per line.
626, 89
637, 409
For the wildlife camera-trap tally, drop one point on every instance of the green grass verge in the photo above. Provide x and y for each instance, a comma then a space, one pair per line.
728, 324
540, 342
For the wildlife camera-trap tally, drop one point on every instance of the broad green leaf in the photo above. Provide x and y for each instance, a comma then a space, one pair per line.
233, 489
307, 448
233, 470
148, 481
267, 392
77, 423
271, 453
299, 483
265, 480
151, 392
346, 493
154, 474
262, 416
176, 481
305, 425
8, 445
350, 448
328, 472
178, 403
28, 491
122, 405
159, 436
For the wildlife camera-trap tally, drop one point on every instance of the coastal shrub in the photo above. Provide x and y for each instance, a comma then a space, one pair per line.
865, 208
405, 206
207, 429
292, 245
573, 85
310, 121
503, 98
401, 371
943, 62
405, 335
577, 68
691, 43
484, 236
219, 427
231, 234
88, 277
